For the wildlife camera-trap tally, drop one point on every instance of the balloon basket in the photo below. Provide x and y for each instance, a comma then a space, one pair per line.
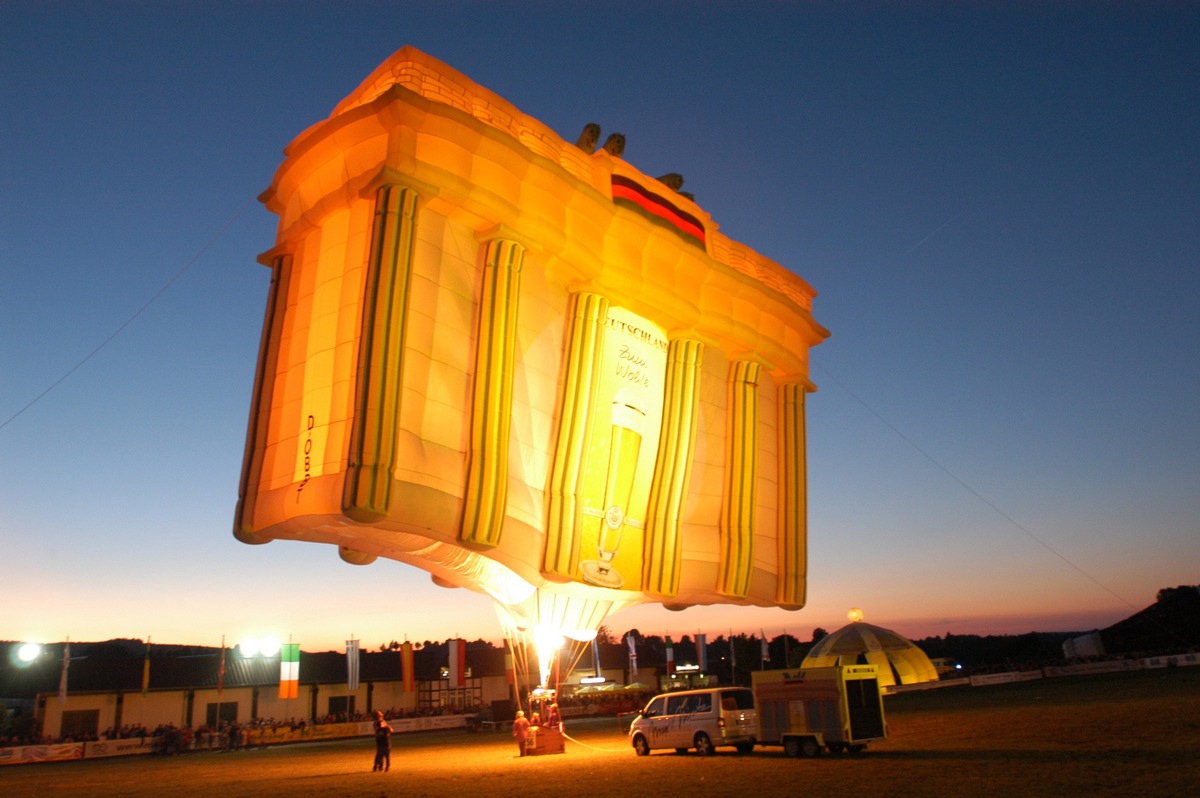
543, 740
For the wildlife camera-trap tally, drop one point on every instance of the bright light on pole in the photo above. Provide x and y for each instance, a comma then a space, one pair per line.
259, 647
28, 652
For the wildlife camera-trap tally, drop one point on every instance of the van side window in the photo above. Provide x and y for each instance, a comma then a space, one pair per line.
702, 704
679, 705
737, 699
657, 707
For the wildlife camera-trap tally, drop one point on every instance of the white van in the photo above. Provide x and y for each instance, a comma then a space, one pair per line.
700, 719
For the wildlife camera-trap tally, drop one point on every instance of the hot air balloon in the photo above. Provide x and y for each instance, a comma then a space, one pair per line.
529, 369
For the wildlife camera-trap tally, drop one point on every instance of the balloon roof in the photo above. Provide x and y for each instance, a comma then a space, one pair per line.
890, 652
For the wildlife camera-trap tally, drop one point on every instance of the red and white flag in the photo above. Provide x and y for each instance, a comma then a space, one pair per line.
458, 663
221, 669
62, 677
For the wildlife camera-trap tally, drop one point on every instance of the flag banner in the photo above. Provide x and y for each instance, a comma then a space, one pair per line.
702, 652
407, 675
766, 652
146, 670
629, 641
289, 670
62, 678
510, 668
351, 665
670, 656
458, 663
732, 656
221, 669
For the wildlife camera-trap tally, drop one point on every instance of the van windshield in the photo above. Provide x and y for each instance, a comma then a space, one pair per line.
737, 699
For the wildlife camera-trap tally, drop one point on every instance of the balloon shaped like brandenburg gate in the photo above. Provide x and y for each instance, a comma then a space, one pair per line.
521, 364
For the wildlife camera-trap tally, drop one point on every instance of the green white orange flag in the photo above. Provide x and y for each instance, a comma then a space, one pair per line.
289, 670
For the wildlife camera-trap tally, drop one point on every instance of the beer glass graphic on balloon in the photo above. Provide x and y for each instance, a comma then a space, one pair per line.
624, 447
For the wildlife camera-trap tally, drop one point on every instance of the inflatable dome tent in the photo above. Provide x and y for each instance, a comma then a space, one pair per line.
892, 654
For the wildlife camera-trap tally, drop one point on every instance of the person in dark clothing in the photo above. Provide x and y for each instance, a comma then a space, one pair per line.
383, 743
521, 731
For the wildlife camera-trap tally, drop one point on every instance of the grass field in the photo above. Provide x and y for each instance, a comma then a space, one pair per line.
1127, 734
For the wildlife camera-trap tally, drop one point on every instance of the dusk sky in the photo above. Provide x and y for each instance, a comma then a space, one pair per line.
998, 204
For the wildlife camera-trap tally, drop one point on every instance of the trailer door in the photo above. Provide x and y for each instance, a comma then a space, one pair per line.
864, 708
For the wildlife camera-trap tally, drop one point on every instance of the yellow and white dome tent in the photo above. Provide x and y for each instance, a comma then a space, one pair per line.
891, 653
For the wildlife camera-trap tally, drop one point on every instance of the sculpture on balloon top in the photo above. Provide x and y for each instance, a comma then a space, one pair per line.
522, 365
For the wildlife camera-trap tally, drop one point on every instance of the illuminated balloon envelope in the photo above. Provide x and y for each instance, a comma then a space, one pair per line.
523, 366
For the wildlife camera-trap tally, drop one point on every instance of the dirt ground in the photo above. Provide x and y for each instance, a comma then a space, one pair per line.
1132, 734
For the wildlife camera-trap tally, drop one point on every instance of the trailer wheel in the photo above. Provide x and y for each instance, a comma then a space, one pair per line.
837, 748
857, 749
640, 746
681, 751
806, 747
704, 746
744, 748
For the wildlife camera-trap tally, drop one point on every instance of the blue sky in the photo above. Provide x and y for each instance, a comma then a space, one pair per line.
997, 203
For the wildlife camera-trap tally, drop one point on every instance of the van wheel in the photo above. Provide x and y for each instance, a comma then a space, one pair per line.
704, 746
640, 746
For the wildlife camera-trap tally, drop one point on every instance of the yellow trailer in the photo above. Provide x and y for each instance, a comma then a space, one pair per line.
811, 709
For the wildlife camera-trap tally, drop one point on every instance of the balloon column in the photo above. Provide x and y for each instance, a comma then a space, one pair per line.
522, 365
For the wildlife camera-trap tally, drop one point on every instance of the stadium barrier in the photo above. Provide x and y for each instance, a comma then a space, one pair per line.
253, 737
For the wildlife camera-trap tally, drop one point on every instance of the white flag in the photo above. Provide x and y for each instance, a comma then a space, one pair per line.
352, 664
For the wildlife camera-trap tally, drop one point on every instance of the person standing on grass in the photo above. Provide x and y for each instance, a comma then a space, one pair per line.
383, 743
521, 730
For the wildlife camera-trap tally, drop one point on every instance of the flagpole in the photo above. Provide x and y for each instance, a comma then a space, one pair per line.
732, 659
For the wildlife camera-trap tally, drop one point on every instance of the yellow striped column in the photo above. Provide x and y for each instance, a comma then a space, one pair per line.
260, 407
737, 511
585, 347
793, 498
372, 453
486, 500
668, 491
